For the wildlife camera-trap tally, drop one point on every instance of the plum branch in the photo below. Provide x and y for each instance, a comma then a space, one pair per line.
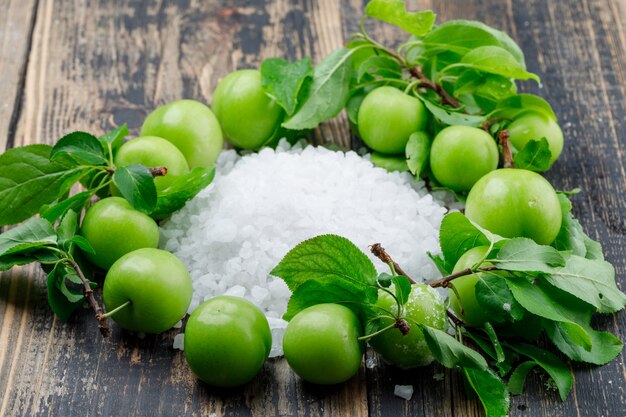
381, 254
507, 154
446, 281
425, 82
88, 291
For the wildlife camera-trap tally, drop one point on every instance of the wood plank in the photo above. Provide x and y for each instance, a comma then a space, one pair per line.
16, 25
94, 67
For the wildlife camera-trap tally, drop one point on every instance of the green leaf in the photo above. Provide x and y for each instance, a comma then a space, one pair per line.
450, 352
381, 65
451, 117
27, 237
283, 80
457, 235
314, 292
83, 244
9, 261
327, 259
604, 346
113, 140
571, 234
182, 190
67, 228
455, 38
493, 337
495, 297
402, 287
417, 152
394, 12
571, 237
518, 377
523, 254
556, 368
384, 279
495, 60
513, 106
594, 249
491, 391
534, 156
590, 280
72, 295
59, 303
551, 303
58, 209
494, 87
28, 180
440, 263
328, 93
81, 147
137, 186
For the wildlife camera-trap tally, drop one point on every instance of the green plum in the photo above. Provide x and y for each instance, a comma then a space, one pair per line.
424, 306
152, 151
468, 309
191, 126
387, 117
248, 116
532, 125
321, 344
114, 228
461, 155
227, 340
515, 203
157, 286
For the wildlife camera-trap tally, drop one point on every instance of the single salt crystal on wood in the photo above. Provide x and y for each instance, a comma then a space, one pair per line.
179, 341
403, 391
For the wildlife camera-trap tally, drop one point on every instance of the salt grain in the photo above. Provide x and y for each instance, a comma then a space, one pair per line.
403, 391
179, 341
234, 232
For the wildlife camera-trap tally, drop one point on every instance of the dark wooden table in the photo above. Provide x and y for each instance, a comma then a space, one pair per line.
92, 65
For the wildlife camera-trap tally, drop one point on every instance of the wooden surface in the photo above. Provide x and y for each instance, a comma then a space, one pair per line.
92, 65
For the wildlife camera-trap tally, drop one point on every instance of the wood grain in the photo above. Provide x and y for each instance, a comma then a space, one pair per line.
93, 65
16, 27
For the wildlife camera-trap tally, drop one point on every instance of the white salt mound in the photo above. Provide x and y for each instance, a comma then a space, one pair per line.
233, 233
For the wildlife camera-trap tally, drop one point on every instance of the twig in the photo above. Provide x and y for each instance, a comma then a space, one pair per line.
380, 253
485, 126
446, 281
425, 82
457, 321
507, 154
102, 324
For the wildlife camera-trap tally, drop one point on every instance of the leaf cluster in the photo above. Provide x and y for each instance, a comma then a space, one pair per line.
463, 71
37, 179
557, 288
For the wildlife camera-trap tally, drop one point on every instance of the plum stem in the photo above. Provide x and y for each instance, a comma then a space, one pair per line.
381, 254
507, 154
116, 309
158, 171
102, 325
425, 82
383, 330
446, 281
457, 321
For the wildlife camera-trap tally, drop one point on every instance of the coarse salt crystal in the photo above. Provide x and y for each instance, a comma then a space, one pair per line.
403, 391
